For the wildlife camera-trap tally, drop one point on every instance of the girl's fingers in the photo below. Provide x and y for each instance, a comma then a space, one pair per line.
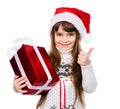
20, 83
90, 51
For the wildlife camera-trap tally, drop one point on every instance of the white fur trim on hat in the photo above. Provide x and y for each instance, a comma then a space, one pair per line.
69, 17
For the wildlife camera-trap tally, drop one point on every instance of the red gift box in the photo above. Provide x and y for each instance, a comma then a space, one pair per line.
34, 63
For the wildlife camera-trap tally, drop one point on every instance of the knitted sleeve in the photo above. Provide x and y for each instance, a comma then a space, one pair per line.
89, 82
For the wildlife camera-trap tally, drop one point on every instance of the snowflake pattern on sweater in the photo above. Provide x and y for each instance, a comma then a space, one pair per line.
64, 70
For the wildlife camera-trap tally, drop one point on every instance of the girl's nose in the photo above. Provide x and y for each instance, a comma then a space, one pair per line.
64, 39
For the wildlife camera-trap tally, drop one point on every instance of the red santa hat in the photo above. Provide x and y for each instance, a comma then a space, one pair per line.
79, 18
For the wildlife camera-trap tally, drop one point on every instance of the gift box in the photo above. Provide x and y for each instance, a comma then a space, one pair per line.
34, 63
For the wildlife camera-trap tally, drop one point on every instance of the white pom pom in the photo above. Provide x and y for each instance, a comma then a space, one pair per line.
87, 38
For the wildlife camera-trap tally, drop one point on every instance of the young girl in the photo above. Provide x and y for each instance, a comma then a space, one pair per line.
72, 64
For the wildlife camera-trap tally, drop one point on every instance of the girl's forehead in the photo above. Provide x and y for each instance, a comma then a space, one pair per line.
67, 27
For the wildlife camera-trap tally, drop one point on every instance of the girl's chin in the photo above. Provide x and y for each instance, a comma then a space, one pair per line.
65, 49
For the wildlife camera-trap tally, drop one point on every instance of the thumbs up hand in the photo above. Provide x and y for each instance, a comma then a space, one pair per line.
84, 57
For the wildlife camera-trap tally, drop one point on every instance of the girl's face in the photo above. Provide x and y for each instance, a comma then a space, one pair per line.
65, 40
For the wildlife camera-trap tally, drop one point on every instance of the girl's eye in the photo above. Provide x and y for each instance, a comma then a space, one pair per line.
58, 34
70, 34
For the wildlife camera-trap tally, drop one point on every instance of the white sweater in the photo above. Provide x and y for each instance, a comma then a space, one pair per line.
62, 95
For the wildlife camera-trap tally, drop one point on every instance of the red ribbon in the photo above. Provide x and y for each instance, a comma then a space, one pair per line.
62, 94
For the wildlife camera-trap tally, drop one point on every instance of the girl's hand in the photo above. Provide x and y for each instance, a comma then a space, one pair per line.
84, 57
19, 83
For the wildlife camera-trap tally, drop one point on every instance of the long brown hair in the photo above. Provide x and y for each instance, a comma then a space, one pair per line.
76, 68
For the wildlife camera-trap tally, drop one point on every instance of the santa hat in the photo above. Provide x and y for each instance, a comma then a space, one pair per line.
79, 18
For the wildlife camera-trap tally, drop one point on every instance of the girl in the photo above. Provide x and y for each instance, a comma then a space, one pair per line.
72, 64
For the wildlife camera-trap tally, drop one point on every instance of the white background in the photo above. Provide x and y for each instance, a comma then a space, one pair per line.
30, 18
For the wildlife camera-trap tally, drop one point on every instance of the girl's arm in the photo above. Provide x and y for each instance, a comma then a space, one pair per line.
89, 82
